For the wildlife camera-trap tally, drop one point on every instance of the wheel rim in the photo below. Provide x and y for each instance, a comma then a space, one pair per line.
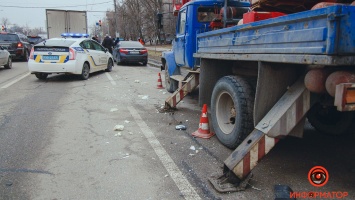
225, 112
86, 71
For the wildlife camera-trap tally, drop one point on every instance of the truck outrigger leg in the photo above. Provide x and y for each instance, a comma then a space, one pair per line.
280, 121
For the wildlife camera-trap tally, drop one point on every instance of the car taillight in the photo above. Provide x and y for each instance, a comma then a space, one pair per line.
19, 45
143, 51
31, 53
125, 51
71, 54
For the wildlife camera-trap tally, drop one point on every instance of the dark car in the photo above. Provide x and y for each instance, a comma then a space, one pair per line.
16, 44
34, 39
130, 51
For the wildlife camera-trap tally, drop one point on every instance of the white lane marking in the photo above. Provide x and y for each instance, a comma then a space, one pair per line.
15, 81
182, 183
110, 78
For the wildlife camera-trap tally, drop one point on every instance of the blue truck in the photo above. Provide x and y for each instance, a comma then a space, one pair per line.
263, 79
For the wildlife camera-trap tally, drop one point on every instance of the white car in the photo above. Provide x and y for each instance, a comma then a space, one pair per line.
5, 58
71, 54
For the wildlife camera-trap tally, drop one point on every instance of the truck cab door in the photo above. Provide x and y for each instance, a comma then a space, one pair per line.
180, 40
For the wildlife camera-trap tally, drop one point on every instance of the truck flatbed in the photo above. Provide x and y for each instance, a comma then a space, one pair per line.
323, 36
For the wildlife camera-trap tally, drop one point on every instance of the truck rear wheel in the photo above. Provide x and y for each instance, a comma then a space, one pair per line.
232, 110
170, 84
328, 120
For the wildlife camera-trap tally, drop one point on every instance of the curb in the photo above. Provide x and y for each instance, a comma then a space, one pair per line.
154, 63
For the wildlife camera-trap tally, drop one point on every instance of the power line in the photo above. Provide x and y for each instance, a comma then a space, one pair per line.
53, 6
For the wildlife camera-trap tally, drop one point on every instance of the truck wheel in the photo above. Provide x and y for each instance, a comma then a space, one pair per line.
170, 84
85, 72
8, 65
41, 76
328, 120
232, 110
109, 65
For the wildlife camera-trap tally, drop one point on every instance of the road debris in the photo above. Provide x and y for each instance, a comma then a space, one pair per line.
114, 109
126, 121
136, 81
180, 127
193, 148
118, 134
143, 96
118, 128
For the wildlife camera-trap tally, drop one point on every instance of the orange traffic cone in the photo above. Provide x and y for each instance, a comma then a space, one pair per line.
203, 130
160, 85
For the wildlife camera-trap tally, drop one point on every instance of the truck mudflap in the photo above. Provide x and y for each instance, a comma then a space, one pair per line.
281, 120
345, 97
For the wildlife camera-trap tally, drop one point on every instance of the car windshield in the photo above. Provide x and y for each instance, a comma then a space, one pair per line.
34, 39
58, 42
131, 44
8, 37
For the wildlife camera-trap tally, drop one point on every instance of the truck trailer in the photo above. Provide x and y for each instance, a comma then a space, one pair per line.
65, 21
263, 76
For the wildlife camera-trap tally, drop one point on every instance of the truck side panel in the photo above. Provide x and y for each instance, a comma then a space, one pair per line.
326, 31
77, 22
55, 23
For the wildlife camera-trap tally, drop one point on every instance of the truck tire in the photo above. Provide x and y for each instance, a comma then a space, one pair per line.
232, 110
170, 84
328, 120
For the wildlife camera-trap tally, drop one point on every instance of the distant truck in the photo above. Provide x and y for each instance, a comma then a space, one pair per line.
61, 21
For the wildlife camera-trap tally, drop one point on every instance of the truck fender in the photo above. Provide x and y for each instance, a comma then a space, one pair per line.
169, 58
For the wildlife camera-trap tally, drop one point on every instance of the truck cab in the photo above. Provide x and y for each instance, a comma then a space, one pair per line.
193, 18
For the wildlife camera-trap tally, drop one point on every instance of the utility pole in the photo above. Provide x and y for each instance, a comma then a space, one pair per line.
115, 17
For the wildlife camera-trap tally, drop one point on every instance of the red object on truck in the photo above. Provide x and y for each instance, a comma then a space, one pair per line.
257, 16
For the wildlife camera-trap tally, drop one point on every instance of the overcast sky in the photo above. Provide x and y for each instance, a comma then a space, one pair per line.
32, 12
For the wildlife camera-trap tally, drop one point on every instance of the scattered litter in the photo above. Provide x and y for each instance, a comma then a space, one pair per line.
164, 92
136, 81
8, 183
200, 148
160, 90
187, 120
143, 96
180, 127
130, 133
107, 142
193, 148
196, 151
118, 128
191, 154
166, 176
113, 110
126, 121
118, 134
126, 156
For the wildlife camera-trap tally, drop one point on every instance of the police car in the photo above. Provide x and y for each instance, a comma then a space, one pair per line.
72, 54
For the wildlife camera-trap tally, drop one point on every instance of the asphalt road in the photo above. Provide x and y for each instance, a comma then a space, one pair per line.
57, 141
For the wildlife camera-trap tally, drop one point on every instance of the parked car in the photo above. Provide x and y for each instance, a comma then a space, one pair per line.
17, 44
5, 58
35, 39
69, 55
130, 51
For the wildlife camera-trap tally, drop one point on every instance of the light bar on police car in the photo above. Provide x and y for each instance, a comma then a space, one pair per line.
75, 35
